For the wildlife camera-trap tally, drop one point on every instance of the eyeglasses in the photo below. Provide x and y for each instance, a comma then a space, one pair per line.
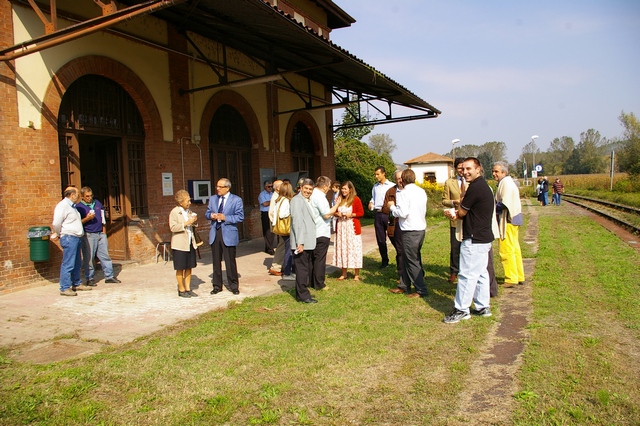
269, 186
221, 186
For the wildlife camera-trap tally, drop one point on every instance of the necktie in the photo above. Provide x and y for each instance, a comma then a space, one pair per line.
220, 207
462, 188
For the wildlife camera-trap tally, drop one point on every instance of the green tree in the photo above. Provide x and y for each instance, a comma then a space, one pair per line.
382, 144
629, 155
495, 150
352, 116
587, 157
559, 152
355, 161
486, 161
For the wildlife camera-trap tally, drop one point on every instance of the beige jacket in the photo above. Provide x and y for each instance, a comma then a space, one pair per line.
180, 235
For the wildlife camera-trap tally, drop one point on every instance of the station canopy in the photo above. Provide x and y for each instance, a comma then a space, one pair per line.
281, 45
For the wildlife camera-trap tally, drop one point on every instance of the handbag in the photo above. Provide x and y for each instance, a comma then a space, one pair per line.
283, 225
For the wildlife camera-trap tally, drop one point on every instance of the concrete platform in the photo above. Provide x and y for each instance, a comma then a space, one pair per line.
146, 301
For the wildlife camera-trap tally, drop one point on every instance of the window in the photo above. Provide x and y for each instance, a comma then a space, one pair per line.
302, 150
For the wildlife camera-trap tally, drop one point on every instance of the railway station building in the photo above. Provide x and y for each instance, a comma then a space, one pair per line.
138, 99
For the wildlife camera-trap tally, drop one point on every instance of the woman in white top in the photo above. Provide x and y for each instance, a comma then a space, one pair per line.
283, 210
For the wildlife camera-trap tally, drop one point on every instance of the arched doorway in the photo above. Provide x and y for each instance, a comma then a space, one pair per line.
101, 142
302, 150
230, 152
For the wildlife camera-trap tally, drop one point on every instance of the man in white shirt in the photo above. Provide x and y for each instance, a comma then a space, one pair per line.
381, 219
322, 213
411, 208
67, 225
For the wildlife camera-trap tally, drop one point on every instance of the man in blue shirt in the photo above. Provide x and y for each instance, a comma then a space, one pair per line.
381, 219
94, 242
264, 199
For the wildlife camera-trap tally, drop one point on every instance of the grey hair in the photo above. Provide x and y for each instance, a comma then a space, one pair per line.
504, 167
323, 182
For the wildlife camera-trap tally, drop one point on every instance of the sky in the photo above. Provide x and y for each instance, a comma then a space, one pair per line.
501, 70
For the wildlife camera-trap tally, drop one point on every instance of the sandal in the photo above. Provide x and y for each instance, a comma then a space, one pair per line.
341, 278
356, 278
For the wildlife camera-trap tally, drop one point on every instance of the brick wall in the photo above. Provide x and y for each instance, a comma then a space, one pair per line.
30, 169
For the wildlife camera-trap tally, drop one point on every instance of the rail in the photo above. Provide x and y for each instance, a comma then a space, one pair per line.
634, 211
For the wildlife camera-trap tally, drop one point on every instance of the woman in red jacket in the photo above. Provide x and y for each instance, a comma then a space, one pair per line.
348, 243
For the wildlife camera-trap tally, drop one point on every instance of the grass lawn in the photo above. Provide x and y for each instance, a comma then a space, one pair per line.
582, 364
363, 355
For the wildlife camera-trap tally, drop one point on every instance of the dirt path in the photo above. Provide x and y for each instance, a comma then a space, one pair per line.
488, 397
492, 380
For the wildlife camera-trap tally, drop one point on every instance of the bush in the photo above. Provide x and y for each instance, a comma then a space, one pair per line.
434, 198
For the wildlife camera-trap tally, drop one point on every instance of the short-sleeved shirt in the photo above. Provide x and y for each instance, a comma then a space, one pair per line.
263, 197
320, 207
478, 202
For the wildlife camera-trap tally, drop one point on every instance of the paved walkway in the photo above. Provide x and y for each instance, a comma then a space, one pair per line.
37, 318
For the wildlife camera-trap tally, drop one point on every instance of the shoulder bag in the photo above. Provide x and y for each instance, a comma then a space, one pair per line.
283, 225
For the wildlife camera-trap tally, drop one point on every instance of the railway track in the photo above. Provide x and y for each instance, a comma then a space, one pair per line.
627, 217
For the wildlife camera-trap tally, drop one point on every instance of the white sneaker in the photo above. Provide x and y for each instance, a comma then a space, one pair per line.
289, 277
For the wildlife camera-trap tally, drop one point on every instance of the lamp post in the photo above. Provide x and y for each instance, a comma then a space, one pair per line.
533, 166
453, 153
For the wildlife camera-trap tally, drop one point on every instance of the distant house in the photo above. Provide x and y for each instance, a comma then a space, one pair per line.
431, 167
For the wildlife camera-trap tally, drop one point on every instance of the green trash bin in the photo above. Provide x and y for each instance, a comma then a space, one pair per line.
39, 243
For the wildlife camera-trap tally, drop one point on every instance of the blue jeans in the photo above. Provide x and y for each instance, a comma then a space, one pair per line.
473, 277
71, 261
95, 245
556, 199
545, 198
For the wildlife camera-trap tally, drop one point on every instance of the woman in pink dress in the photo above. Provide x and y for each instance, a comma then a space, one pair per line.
348, 244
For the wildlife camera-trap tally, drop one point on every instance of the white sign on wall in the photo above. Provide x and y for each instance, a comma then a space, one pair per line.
167, 184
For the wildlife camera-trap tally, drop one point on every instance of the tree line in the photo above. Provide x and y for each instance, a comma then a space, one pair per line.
564, 156
357, 160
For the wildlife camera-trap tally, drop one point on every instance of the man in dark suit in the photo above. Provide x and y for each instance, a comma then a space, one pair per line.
225, 211
451, 195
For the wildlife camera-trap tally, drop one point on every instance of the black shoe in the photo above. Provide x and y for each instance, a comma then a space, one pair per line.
484, 312
191, 293
112, 280
384, 265
184, 294
91, 282
310, 300
236, 292
215, 291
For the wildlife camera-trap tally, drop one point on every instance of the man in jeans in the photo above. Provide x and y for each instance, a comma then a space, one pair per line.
67, 225
477, 211
94, 242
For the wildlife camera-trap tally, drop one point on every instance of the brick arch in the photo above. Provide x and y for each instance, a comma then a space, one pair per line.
109, 68
307, 120
238, 102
